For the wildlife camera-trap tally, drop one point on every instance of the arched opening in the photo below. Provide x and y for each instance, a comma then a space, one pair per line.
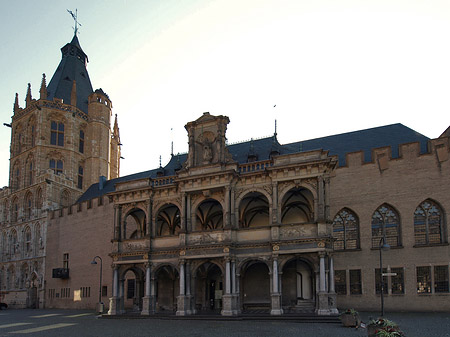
167, 289
168, 220
134, 225
208, 288
133, 283
209, 215
297, 206
255, 286
32, 300
297, 287
254, 210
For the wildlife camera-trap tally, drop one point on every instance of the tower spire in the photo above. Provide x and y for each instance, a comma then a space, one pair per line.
16, 103
28, 98
43, 90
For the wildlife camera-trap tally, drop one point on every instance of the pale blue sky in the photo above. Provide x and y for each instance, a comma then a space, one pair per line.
329, 66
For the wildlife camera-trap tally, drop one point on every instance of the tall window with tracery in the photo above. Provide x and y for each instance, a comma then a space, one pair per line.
57, 166
346, 230
428, 224
81, 143
385, 222
80, 177
57, 133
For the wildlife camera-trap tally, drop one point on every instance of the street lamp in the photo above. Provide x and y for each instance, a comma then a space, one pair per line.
100, 304
382, 246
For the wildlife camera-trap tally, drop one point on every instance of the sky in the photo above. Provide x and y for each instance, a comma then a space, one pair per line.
317, 67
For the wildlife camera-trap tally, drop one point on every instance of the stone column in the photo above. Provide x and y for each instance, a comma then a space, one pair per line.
147, 300
227, 219
114, 301
276, 295
331, 292
322, 304
182, 300
227, 299
117, 217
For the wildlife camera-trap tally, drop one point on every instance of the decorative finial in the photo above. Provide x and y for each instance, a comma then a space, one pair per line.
75, 19
43, 90
16, 103
160, 166
28, 98
275, 133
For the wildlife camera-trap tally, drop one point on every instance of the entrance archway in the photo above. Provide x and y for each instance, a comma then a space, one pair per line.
133, 283
297, 287
167, 288
255, 293
208, 288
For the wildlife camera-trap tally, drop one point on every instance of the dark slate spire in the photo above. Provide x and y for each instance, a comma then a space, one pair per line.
71, 68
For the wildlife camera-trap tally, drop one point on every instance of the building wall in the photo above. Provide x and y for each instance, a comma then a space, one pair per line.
403, 183
82, 231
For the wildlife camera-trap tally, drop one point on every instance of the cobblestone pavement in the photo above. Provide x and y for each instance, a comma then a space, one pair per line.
84, 323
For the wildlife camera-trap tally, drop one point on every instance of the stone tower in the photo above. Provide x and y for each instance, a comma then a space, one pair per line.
61, 143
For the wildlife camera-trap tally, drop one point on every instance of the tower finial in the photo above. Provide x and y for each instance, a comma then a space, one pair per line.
275, 133
43, 90
16, 103
28, 98
75, 19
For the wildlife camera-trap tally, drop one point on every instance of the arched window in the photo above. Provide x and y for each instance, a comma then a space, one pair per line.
209, 215
57, 133
15, 210
80, 177
65, 198
81, 142
28, 242
16, 176
13, 243
385, 222
28, 205
56, 165
168, 220
254, 210
346, 230
29, 172
428, 224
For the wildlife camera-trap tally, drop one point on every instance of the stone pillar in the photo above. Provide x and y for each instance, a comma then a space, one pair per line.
188, 213
147, 300
227, 220
183, 213
114, 301
322, 305
276, 295
183, 300
331, 292
275, 207
227, 299
117, 217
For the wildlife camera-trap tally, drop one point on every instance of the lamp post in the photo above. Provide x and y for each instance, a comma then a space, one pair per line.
383, 245
100, 305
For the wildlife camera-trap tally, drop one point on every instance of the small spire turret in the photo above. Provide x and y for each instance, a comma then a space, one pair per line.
43, 90
16, 103
28, 98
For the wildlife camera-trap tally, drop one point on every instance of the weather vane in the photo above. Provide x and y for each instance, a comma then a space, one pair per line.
75, 19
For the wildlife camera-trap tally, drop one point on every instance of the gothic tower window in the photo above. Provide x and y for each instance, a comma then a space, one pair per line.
16, 176
65, 198
57, 133
15, 210
13, 244
28, 205
346, 230
386, 222
29, 172
428, 224
33, 136
56, 166
81, 143
28, 245
80, 177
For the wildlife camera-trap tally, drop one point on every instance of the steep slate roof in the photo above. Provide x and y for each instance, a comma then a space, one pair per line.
341, 144
72, 67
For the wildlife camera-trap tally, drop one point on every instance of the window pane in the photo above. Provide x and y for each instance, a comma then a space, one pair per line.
53, 125
441, 279
340, 282
423, 280
355, 282
378, 284
53, 138
397, 282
